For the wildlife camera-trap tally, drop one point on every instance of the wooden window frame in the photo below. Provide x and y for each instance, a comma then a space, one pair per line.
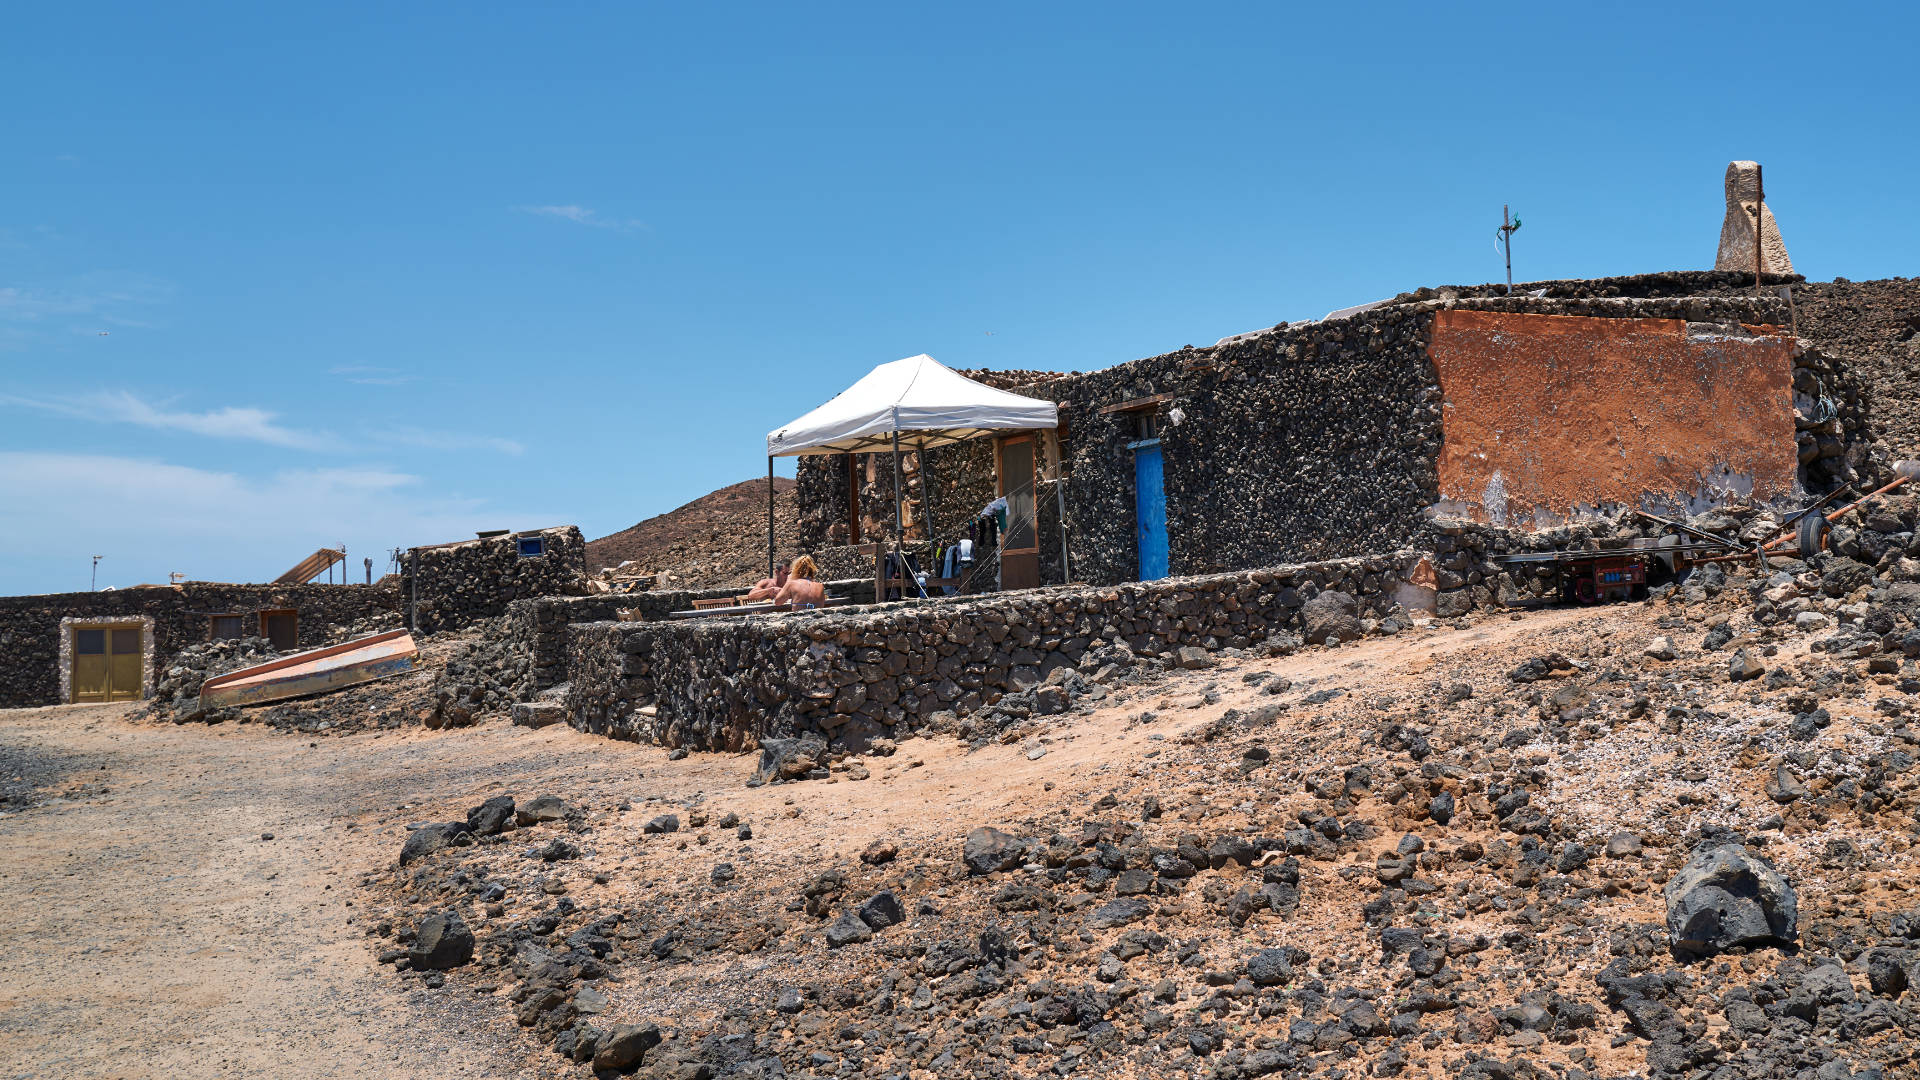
212, 618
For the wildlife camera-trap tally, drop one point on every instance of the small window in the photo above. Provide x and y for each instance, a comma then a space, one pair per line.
1146, 424
532, 547
90, 642
228, 627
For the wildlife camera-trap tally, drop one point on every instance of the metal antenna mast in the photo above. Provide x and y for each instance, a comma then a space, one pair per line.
93, 585
1508, 226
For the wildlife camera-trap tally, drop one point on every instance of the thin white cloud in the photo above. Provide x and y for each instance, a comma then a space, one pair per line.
446, 440
232, 422
368, 375
581, 215
89, 294
151, 517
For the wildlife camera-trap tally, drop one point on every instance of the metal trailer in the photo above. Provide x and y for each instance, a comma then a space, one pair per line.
1593, 577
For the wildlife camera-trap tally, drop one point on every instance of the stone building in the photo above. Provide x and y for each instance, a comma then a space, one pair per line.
1342, 436
451, 586
108, 646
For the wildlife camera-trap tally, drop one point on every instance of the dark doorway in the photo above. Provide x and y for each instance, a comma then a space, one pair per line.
1020, 546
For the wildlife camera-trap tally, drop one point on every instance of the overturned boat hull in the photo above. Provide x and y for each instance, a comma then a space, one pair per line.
313, 672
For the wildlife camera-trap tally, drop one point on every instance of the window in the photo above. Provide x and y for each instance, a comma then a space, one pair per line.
227, 627
282, 628
532, 547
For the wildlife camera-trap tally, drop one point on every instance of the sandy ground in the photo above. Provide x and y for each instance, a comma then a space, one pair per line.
152, 932
155, 933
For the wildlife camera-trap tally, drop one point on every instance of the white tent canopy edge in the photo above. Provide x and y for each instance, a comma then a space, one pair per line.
918, 395
937, 404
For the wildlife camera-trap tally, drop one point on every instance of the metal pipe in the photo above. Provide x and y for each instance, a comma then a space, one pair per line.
1060, 500
899, 531
926, 498
769, 515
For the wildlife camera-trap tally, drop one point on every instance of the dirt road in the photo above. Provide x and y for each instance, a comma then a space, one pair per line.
151, 931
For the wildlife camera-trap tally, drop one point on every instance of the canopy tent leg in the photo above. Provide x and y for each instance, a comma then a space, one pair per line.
769, 515
899, 531
1060, 500
926, 496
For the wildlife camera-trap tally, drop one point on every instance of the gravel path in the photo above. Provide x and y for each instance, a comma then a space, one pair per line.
152, 932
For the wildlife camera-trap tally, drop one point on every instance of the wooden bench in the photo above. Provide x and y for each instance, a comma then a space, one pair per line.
720, 602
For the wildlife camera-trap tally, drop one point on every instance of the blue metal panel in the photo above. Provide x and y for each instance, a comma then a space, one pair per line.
1150, 510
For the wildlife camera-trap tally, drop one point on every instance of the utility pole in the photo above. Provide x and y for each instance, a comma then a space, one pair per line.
369, 561
93, 584
1508, 226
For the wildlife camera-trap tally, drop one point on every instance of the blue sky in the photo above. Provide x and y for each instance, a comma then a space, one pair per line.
276, 276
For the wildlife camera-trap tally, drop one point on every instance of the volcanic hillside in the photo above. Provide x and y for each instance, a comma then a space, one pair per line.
717, 539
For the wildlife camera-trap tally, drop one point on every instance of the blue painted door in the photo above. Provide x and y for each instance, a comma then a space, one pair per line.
1150, 510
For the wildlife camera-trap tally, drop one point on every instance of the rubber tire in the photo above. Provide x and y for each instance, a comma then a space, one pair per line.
1668, 560
1811, 533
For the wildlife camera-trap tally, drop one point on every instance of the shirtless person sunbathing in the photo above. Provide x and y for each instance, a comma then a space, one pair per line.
766, 587
801, 590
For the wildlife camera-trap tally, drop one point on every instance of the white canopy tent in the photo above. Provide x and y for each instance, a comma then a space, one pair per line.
919, 397
937, 404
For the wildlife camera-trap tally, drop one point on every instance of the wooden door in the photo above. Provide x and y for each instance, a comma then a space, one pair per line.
126, 674
1150, 509
90, 665
1020, 545
109, 663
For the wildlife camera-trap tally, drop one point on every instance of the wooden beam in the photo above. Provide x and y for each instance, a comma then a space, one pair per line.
1138, 404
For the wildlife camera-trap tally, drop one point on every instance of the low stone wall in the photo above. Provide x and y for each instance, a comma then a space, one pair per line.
525, 652
538, 627
33, 666
452, 586
729, 683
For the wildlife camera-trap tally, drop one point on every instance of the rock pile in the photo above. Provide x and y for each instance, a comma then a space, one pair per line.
176, 693
1584, 855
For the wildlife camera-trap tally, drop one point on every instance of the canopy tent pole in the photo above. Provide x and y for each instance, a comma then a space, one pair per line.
899, 533
1060, 500
769, 515
926, 498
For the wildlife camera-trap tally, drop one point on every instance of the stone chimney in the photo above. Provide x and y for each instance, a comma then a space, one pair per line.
1736, 232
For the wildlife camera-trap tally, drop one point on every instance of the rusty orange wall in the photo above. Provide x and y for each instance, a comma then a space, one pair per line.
1572, 411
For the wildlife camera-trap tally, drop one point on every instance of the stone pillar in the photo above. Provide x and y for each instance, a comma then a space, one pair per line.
1736, 232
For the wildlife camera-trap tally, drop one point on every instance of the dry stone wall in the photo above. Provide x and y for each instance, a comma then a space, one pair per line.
452, 586
854, 675
182, 616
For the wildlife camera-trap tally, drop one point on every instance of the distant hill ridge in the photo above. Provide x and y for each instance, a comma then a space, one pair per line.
717, 539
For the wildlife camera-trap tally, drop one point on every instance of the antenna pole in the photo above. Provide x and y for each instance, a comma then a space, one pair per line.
1506, 244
